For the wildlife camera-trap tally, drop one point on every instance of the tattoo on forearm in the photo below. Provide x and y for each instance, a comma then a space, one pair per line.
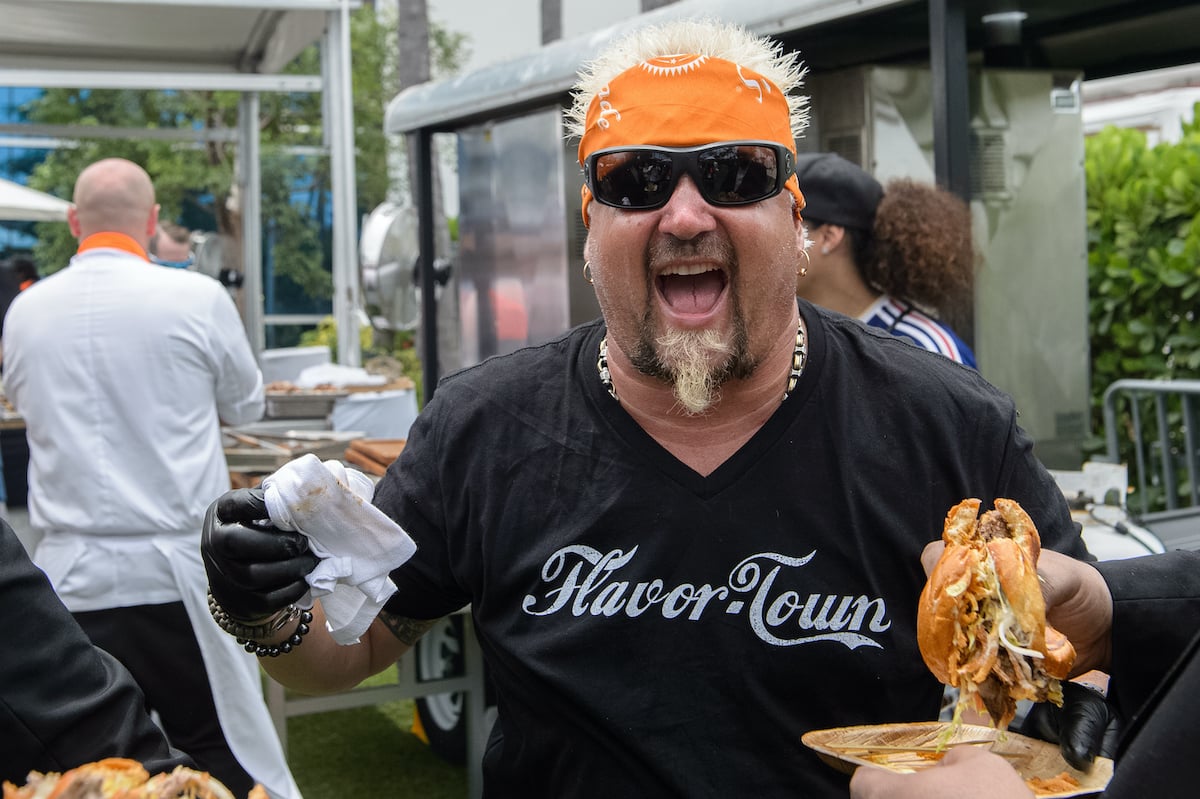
407, 630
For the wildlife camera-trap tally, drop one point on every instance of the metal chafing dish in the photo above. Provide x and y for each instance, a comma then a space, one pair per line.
265, 446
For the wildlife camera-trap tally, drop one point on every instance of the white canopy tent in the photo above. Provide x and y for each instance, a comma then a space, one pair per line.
220, 45
22, 204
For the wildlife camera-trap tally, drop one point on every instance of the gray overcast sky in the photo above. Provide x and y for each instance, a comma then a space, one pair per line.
501, 29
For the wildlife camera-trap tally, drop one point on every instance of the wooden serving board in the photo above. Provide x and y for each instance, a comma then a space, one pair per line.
373, 455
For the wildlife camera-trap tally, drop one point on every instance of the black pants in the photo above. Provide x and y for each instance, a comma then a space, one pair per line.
156, 643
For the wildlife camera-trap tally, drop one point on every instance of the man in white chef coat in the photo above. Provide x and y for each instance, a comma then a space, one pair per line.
123, 372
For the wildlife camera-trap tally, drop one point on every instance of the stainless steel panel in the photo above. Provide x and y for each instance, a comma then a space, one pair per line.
1028, 203
1031, 301
512, 254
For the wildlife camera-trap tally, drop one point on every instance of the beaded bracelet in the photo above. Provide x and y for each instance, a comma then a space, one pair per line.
248, 635
282, 648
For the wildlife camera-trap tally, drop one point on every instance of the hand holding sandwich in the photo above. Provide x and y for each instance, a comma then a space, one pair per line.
981, 619
1078, 604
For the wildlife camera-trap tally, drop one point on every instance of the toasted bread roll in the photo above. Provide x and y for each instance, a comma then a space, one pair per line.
981, 618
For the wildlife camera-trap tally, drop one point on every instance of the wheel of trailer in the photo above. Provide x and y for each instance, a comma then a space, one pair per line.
439, 654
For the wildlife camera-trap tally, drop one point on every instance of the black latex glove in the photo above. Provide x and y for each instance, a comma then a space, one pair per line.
254, 568
1085, 726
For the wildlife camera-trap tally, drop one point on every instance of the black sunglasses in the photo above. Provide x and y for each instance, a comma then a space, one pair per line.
728, 173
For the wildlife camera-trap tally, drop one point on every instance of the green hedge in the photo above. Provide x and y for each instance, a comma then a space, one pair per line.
1143, 256
1143, 221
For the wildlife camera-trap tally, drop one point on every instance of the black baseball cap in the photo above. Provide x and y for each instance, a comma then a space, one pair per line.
837, 191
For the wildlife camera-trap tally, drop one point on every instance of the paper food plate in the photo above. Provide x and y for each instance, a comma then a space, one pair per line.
911, 747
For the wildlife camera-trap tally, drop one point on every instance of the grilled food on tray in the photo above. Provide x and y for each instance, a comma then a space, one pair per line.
288, 387
981, 621
119, 778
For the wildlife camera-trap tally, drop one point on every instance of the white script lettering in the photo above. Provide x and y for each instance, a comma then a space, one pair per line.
582, 579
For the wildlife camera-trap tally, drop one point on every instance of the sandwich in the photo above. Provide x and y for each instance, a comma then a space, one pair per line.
981, 619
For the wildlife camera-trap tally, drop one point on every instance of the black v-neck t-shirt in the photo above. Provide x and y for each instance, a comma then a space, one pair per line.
653, 632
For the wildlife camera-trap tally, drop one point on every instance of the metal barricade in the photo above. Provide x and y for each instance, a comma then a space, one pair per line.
407, 686
1151, 426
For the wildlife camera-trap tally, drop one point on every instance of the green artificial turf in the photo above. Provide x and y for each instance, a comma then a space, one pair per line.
368, 753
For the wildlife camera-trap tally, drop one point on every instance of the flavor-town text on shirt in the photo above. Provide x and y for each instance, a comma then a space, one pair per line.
584, 581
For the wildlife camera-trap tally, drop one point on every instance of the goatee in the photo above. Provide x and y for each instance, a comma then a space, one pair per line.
696, 363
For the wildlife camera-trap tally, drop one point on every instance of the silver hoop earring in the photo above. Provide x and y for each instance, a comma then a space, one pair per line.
587, 271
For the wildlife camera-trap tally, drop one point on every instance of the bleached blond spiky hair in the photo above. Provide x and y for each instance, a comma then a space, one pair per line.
708, 37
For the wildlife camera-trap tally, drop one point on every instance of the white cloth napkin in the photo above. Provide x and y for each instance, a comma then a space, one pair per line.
357, 543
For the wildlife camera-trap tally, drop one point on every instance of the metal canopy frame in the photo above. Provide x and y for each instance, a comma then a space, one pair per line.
37, 54
545, 78
1101, 38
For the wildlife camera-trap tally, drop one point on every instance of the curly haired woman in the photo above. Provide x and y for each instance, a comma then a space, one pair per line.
899, 259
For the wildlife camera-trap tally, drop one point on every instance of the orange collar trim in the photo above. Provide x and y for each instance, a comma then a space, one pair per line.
112, 241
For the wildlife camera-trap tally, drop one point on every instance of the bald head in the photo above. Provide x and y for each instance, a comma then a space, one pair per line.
116, 196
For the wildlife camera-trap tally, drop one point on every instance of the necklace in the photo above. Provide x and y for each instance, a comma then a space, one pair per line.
799, 358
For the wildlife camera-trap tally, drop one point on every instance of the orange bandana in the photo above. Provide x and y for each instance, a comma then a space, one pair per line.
684, 101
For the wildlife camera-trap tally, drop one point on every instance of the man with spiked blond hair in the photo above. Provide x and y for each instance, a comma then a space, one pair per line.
688, 531
718, 100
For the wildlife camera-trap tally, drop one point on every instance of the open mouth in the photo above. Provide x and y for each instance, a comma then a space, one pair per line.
692, 290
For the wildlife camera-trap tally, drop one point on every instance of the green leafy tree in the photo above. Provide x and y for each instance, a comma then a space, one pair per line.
194, 181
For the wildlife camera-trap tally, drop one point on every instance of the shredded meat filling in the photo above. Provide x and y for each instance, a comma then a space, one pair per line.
995, 698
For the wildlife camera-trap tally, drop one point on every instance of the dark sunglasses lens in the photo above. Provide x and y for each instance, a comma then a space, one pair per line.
738, 174
633, 179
